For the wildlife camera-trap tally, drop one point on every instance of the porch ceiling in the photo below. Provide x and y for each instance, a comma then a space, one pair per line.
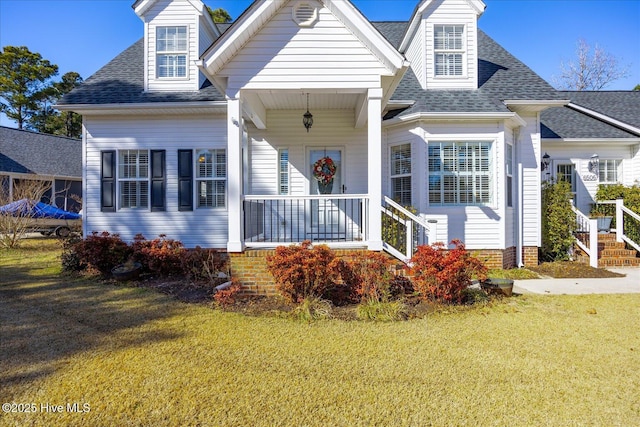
294, 100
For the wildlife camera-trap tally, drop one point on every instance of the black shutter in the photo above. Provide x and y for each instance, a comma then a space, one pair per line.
185, 180
158, 181
108, 181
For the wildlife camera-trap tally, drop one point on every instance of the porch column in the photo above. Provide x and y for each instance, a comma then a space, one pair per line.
234, 174
374, 166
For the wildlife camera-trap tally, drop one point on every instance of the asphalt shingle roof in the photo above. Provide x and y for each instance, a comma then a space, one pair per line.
620, 105
564, 122
121, 81
30, 152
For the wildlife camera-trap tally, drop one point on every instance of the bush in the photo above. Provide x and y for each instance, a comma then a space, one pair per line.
367, 275
70, 259
227, 297
302, 271
161, 256
101, 251
558, 221
442, 275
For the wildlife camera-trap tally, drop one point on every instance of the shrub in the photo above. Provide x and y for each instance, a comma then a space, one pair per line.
102, 251
368, 275
227, 297
69, 258
442, 275
161, 256
382, 311
302, 271
558, 221
203, 264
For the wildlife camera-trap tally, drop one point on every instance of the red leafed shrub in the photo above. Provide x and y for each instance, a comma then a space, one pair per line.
227, 297
102, 251
302, 271
442, 275
368, 275
161, 256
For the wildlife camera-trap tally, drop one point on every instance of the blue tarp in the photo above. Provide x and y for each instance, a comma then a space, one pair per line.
33, 209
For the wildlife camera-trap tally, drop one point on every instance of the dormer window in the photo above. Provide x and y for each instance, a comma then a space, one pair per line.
171, 52
448, 49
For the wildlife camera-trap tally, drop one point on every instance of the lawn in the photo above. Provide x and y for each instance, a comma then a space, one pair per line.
131, 356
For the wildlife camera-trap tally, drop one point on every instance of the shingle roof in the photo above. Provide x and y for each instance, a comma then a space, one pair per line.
121, 81
620, 105
564, 122
30, 152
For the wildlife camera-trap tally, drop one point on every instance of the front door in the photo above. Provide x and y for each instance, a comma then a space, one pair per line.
567, 172
326, 215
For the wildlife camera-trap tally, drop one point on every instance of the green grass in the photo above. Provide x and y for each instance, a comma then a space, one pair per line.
140, 358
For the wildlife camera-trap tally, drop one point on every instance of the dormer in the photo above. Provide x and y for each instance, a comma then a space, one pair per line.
441, 43
176, 33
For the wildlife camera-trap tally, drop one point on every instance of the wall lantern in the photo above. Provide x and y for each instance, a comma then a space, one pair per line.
307, 118
546, 160
594, 164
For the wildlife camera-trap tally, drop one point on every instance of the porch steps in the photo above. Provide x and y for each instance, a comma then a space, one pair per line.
614, 254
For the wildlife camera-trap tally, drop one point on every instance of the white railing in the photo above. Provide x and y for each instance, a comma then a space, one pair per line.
586, 236
335, 219
627, 225
403, 231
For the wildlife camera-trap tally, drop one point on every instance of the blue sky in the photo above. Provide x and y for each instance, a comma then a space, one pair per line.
83, 35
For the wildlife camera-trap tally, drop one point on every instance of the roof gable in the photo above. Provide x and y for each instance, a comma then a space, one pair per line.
268, 19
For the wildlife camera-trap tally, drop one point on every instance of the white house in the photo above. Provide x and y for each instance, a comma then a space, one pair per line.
196, 131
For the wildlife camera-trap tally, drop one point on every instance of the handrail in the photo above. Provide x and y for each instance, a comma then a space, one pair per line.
621, 210
590, 227
406, 212
412, 230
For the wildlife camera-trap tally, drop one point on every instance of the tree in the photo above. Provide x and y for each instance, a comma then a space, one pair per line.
14, 227
49, 120
24, 78
637, 87
219, 16
592, 70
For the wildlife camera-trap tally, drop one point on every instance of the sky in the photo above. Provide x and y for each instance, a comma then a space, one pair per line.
84, 35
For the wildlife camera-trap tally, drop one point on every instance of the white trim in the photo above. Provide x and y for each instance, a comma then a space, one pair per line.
146, 108
428, 116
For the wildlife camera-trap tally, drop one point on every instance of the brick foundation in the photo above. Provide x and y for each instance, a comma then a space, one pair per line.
530, 256
497, 258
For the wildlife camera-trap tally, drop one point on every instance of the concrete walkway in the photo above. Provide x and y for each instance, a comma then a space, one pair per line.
616, 285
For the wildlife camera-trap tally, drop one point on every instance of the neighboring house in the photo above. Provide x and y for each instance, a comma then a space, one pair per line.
56, 160
593, 140
196, 131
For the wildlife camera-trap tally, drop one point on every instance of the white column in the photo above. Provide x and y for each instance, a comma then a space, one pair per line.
234, 174
374, 168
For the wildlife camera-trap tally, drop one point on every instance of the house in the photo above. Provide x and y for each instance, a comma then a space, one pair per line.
54, 160
595, 139
302, 120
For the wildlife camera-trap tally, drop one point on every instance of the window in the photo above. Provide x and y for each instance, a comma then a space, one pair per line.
509, 174
171, 50
211, 178
133, 178
448, 49
460, 173
401, 174
283, 171
608, 170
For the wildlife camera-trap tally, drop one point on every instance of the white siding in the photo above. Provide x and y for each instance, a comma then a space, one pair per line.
204, 227
331, 129
416, 54
284, 55
479, 227
173, 13
452, 12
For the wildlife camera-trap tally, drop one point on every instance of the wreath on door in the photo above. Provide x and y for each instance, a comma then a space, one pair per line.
324, 170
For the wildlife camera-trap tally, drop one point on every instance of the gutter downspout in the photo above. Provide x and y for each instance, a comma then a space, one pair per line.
519, 199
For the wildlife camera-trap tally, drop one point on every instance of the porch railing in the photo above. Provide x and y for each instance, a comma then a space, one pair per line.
586, 236
403, 231
627, 225
338, 219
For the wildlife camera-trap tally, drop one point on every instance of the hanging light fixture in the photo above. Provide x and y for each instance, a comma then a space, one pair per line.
307, 118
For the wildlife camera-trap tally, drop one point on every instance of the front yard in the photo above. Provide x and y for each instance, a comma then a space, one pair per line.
131, 356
